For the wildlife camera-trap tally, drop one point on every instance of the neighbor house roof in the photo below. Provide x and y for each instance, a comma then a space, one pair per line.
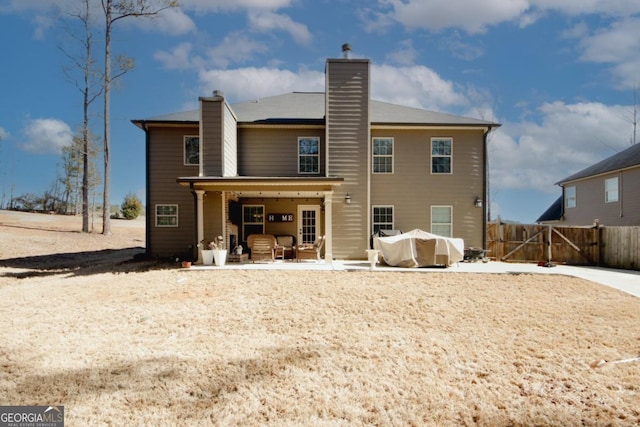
623, 160
554, 213
306, 107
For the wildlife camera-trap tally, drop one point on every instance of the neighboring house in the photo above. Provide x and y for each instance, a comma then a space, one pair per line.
336, 164
606, 191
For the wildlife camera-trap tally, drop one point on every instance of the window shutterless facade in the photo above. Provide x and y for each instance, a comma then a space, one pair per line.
442, 220
191, 150
442, 155
166, 215
382, 155
382, 218
308, 154
611, 190
252, 220
570, 200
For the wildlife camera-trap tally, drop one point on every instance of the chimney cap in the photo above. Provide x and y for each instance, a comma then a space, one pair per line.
217, 92
346, 51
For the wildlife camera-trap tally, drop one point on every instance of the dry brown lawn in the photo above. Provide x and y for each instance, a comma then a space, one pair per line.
146, 343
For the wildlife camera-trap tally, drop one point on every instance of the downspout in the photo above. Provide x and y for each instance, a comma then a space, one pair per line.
484, 189
194, 248
147, 176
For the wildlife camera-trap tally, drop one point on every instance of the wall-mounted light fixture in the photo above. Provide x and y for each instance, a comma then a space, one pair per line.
347, 199
478, 202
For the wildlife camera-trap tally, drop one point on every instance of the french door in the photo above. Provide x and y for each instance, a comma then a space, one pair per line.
308, 223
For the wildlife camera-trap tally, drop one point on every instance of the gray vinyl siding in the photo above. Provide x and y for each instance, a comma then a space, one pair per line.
165, 164
348, 134
274, 152
590, 201
412, 189
211, 133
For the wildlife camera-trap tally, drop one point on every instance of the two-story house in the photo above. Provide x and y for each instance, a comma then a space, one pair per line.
336, 164
606, 191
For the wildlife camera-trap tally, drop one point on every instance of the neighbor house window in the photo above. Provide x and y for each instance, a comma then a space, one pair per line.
442, 220
192, 150
252, 220
382, 155
570, 197
611, 190
441, 153
309, 154
166, 215
382, 218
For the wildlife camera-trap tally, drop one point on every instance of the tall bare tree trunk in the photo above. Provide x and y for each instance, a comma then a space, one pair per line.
106, 202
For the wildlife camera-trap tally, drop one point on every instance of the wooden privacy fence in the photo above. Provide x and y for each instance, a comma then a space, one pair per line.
614, 247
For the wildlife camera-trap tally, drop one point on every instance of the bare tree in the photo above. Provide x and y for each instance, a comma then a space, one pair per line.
86, 64
114, 11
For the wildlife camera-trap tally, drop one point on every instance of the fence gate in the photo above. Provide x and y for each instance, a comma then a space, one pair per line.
538, 242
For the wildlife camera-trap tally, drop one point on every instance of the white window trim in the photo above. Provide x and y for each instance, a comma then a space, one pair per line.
393, 216
567, 199
184, 150
607, 191
309, 155
176, 215
431, 156
450, 207
393, 152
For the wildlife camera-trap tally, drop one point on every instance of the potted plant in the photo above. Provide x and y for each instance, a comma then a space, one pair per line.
213, 249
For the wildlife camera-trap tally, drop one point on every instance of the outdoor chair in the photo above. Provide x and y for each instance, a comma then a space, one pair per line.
262, 247
310, 250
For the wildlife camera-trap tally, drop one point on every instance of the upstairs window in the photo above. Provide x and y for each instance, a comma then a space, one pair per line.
382, 218
382, 155
570, 197
309, 154
441, 153
611, 190
191, 150
442, 220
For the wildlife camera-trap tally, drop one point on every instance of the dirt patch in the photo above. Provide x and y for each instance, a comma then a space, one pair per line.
160, 345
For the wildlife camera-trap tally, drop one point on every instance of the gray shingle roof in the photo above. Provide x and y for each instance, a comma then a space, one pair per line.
553, 213
309, 107
624, 159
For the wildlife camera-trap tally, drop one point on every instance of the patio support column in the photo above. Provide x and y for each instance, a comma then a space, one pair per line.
200, 219
328, 227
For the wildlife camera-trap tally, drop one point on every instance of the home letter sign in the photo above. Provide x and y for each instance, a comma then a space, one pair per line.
280, 217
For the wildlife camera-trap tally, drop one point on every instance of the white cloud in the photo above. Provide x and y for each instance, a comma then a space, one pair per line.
236, 48
405, 54
170, 21
179, 58
46, 136
3, 134
534, 155
472, 16
265, 21
416, 86
250, 83
226, 5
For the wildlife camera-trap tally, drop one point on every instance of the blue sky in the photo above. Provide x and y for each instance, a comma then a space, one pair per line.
560, 76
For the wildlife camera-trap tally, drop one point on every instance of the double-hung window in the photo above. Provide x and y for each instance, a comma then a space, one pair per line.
252, 220
570, 200
382, 155
611, 190
441, 155
308, 154
166, 215
191, 150
382, 218
442, 220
